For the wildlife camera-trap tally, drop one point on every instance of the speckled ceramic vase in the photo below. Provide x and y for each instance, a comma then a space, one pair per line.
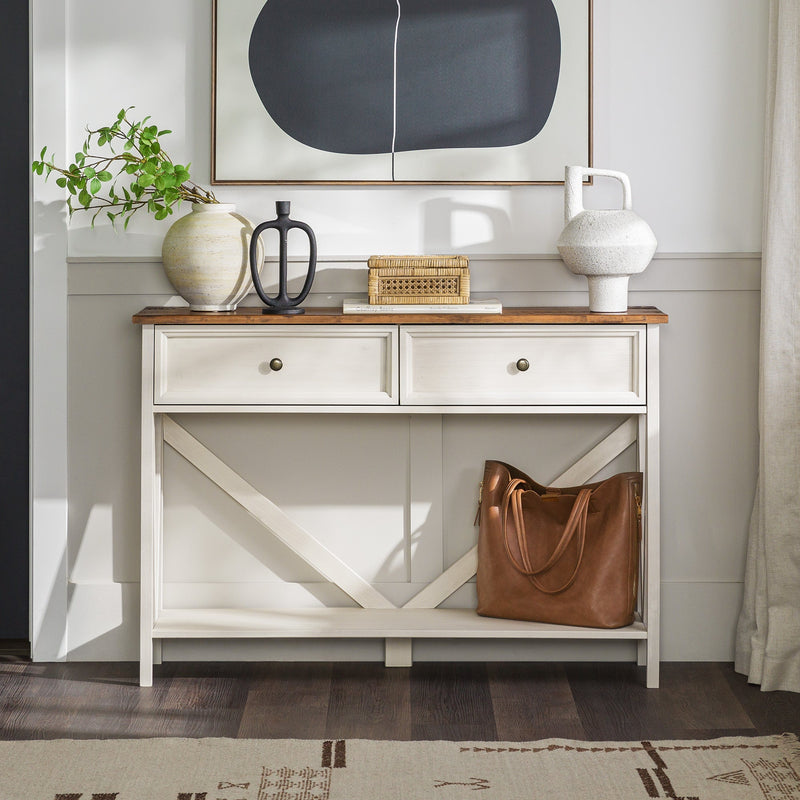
206, 257
607, 246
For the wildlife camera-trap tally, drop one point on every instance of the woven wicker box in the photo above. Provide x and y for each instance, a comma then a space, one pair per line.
409, 280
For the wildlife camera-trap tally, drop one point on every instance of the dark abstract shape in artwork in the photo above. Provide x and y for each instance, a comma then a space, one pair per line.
470, 73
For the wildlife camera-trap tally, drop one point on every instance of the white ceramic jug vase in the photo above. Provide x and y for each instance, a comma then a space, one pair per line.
606, 245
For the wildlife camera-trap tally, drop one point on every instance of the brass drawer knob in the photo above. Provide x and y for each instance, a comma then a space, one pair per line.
276, 364
523, 364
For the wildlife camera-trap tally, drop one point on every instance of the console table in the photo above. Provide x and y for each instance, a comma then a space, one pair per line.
523, 361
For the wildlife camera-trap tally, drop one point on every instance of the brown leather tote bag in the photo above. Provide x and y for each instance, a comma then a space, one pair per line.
565, 556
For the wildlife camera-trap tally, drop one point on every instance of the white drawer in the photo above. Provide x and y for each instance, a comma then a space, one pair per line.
319, 365
478, 365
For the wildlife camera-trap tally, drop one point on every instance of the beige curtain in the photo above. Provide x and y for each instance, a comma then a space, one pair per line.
768, 634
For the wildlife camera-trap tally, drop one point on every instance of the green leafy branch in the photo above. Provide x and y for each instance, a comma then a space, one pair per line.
138, 173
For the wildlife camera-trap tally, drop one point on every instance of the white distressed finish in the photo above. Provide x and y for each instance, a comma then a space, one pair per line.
583, 470
402, 410
268, 514
152, 496
634, 353
321, 365
436, 623
568, 365
651, 548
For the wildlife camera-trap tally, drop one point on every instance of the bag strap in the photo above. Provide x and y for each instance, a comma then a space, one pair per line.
576, 525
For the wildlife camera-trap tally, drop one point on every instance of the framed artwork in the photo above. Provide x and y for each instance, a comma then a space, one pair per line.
400, 91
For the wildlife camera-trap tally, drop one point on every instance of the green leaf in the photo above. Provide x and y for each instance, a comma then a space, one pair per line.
160, 183
145, 179
62, 182
163, 133
95, 186
84, 198
89, 172
44, 150
104, 175
156, 147
162, 213
151, 167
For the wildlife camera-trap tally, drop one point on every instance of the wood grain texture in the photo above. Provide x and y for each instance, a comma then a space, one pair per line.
452, 701
368, 701
487, 702
286, 701
769, 712
554, 315
533, 701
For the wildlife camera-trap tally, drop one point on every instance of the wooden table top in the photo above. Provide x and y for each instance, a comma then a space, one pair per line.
252, 315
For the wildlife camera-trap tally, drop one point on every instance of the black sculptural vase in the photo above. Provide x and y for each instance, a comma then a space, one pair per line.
282, 303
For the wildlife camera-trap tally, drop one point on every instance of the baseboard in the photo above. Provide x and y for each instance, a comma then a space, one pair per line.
15, 648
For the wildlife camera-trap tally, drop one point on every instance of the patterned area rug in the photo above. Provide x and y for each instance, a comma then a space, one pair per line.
762, 768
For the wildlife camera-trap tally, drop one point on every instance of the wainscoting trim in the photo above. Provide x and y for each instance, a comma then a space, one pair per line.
340, 276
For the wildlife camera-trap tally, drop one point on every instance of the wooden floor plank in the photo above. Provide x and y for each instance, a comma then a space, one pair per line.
699, 699
533, 701
614, 704
478, 702
368, 701
771, 712
207, 699
107, 705
286, 701
452, 702
17, 687
51, 701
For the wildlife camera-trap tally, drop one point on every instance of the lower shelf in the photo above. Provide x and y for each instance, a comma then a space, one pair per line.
437, 623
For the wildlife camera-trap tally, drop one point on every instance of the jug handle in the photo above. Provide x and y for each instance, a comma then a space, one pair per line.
585, 172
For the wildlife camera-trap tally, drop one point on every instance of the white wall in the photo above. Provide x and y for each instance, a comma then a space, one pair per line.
677, 104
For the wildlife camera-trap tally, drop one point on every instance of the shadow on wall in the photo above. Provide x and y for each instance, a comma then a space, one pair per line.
450, 226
